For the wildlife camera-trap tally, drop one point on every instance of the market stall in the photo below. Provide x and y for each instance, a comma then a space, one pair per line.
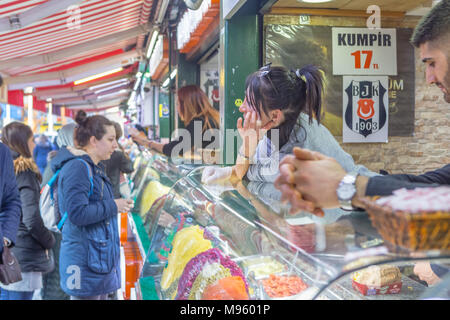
149, 184
237, 241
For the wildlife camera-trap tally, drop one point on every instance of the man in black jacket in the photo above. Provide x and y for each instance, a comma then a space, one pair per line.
119, 163
312, 181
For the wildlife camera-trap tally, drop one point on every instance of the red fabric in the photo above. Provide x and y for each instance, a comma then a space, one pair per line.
39, 105
15, 97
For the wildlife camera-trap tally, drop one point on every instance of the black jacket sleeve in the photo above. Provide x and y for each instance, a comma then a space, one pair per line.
31, 216
185, 141
385, 185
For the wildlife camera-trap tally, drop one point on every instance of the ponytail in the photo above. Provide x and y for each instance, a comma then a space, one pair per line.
313, 80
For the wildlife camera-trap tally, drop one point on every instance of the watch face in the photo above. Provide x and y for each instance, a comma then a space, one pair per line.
346, 191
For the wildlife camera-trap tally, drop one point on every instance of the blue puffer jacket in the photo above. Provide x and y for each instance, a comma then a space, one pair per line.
89, 258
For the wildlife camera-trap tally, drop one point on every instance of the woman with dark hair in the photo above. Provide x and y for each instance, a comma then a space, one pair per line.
195, 111
89, 257
34, 240
282, 109
118, 164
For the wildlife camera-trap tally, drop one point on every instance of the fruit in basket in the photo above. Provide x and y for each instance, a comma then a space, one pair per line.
283, 286
187, 243
229, 288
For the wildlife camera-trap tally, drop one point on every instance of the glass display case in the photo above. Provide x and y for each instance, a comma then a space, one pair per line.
151, 180
238, 241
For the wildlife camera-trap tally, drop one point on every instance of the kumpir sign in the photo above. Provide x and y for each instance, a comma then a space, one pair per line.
361, 51
365, 111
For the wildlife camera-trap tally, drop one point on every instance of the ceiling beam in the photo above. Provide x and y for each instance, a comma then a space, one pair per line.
104, 103
78, 49
81, 87
331, 12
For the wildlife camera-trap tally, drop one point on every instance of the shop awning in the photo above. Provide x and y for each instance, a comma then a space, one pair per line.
43, 48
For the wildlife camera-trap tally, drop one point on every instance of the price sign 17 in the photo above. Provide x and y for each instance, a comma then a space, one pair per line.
368, 59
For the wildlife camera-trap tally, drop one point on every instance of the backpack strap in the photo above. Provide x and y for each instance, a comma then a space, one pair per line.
91, 190
51, 183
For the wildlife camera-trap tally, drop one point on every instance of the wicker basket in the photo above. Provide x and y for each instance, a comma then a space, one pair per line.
412, 231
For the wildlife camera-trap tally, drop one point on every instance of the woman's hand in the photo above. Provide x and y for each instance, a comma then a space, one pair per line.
214, 174
124, 205
138, 136
251, 133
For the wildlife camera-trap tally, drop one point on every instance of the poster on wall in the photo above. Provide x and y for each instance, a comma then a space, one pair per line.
363, 51
164, 111
294, 46
365, 109
209, 80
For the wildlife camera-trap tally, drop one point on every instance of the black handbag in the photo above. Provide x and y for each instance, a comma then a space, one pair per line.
9, 268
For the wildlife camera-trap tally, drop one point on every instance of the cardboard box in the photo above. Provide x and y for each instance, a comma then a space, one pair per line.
393, 288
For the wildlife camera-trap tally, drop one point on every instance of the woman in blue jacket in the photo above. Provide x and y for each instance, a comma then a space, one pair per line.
89, 257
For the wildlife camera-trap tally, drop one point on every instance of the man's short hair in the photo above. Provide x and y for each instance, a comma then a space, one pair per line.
434, 25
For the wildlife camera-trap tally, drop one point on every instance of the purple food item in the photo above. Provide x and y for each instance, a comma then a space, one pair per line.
195, 266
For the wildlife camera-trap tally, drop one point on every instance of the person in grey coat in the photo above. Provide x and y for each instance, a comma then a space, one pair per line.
51, 290
64, 139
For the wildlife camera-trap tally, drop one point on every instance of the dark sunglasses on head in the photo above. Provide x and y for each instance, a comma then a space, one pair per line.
264, 72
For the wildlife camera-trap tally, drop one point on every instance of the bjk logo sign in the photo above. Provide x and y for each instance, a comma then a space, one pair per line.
365, 112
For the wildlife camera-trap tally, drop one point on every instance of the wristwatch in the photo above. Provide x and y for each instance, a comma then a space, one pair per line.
347, 190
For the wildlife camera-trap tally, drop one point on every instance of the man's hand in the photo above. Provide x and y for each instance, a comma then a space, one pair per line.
423, 270
309, 180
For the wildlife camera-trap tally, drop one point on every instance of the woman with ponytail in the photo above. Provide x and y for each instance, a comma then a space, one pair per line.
89, 258
282, 109
194, 110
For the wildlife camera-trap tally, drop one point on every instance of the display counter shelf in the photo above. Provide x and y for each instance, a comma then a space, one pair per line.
204, 238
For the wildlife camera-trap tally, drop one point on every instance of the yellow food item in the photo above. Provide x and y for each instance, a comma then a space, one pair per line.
261, 270
152, 191
187, 243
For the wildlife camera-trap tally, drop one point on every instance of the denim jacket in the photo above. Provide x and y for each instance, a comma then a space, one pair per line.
90, 256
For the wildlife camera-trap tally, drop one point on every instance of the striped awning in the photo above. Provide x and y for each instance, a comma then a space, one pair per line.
51, 43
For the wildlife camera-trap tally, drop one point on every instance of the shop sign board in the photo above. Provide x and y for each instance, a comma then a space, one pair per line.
365, 109
362, 51
294, 46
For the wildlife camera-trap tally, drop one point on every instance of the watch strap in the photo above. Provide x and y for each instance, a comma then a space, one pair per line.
349, 178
